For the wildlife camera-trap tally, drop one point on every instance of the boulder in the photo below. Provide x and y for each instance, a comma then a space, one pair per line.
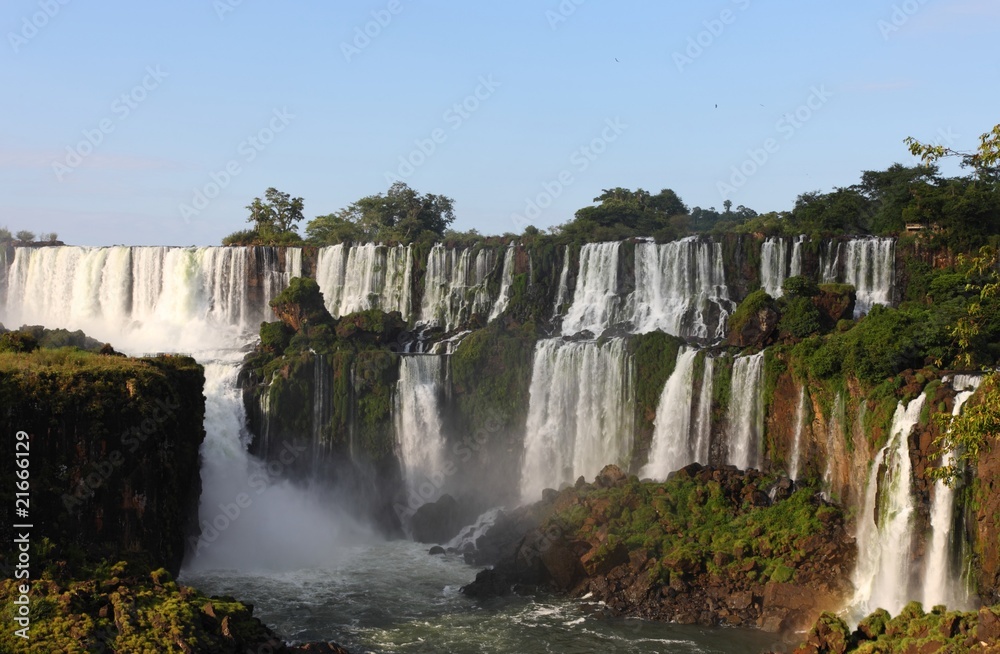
437, 522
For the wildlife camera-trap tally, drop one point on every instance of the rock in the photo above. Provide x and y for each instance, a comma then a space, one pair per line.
562, 565
437, 549
437, 522
988, 630
610, 476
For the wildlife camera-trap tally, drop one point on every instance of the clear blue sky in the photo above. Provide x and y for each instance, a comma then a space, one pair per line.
884, 69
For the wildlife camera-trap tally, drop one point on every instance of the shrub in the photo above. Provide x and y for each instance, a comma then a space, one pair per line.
798, 286
799, 318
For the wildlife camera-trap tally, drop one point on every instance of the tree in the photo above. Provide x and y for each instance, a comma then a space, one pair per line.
985, 160
622, 213
401, 214
25, 236
276, 216
5, 234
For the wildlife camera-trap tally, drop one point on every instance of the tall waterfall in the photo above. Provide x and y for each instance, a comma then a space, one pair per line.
800, 421
703, 416
506, 280
746, 412
795, 268
563, 292
680, 289
672, 447
885, 525
455, 286
870, 268
942, 578
773, 264
580, 413
829, 265
361, 277
419, 428
595, 301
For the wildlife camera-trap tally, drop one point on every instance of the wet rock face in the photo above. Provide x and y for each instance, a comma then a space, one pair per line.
988, 525
572, 543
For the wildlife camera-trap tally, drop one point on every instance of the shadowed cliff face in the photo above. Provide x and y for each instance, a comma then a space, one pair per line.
113, 449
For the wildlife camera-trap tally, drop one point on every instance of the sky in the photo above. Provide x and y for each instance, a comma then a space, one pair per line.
156, 123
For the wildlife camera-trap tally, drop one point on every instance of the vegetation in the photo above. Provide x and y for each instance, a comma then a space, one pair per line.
274, 221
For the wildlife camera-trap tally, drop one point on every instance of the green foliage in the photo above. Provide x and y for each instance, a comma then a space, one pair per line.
5, 235
275, 336
243, 237
25, 236
798, 286
974, 431
401, 215
622, 213
751, 305
800, 317
18, 342
654, 356
275, 217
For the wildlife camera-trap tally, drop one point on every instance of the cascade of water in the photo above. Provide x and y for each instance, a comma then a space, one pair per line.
580, 412
834, 434
795, 269
870, 268
672, 447
563, 291
506, 279
419, 428
595, 300
293, 262
362, 277
455, 287
680, 288
884, 531
829, 264
800, 420
942, 580
746, 412
773, 264
703, 417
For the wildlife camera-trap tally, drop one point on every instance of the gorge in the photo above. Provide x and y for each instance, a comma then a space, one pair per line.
489, 373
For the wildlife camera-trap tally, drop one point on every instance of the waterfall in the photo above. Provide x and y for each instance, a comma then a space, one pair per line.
829, 264
506, 280
680, 289
833, 425
884, 531
703, 417
672, 447
746, 412
580, 413
455, 286
800, 420
870, 268
563, 285
595, 300
773, 264
419, 428
795, 269
941, 573
293, 262
361, 277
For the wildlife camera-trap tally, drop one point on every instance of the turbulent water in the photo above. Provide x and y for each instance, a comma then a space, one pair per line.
746, 412
773, 265
672, 447
419, 426
394, 597
361, 277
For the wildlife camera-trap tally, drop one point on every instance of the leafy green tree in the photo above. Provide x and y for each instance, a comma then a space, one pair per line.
275, 217
843, 210
401, 214
25, 236
891, 192
621, 213
985, 160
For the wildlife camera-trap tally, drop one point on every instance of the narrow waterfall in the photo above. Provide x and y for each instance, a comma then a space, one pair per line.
829, 265
506, 279
595, 300
580, 413
795, 268
834, 434
680, 288
942, 578
773, 264
362, 277
884, 531
870, 268
746, 412
800, 421
293, 262
419, 428
563, 292
703, 417
672, 447
455, 286
322, 438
